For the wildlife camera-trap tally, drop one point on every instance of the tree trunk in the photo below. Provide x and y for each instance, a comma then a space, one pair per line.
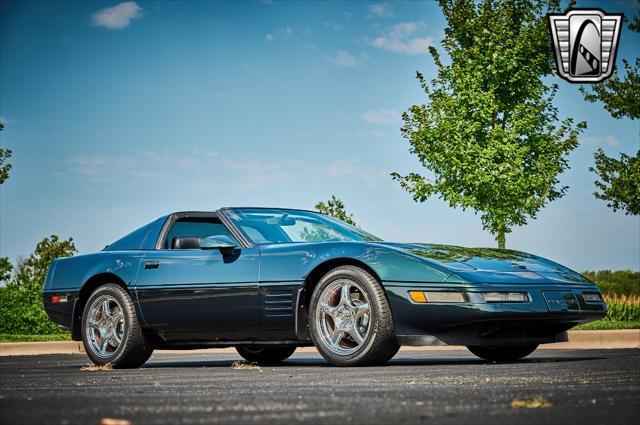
501, 238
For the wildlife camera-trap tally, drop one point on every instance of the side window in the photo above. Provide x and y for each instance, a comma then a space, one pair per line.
254, 234
195, 227
307, 231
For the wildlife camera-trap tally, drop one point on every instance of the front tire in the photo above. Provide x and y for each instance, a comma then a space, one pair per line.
265, 354
499, 354
111, 333
350, 319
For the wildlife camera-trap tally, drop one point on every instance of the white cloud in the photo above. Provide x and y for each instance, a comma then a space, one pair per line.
282, 33
381, 116
203, 166
344, 59
398, 39
118, 16
254, 173
364, 134
354, 170
608, 140
381, 10
332, 25
404, 29
157, 165
415, 46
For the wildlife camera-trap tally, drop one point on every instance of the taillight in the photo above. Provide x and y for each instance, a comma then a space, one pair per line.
59, 299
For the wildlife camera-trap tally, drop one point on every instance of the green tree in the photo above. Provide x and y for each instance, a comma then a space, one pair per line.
335, 208
35, 266
5, 264
621, 282
21, 309
5, 167
489, 135
5, 270
619, 95
619, 182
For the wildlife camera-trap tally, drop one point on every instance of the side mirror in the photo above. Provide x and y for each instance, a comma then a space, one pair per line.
225, 244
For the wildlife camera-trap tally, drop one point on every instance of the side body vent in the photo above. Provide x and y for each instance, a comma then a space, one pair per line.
277, 304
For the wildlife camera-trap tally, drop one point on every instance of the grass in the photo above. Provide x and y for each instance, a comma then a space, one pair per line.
34, 338
112, 421
605, 325
90, 367
246, 366
535, 402
623, 307
624, 313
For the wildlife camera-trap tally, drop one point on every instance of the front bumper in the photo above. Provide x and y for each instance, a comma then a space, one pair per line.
537, 321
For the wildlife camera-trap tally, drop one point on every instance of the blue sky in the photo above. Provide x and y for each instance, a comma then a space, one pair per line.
119, 113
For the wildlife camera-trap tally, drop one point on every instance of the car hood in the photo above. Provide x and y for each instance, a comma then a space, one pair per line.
497, 264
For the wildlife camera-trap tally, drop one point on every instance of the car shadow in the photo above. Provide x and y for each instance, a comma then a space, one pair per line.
153, 364
472, 361
397, 362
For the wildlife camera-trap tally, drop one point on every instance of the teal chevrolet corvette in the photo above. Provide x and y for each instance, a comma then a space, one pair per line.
266, 281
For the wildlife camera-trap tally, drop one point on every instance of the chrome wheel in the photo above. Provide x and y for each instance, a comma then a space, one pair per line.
105, 326
343, 316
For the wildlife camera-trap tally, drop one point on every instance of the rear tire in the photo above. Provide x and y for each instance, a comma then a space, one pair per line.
111, 333
502, 353
350, 319
265, 354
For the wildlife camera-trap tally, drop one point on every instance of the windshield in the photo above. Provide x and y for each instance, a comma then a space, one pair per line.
285, 226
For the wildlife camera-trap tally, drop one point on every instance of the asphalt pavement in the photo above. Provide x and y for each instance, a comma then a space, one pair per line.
448, 387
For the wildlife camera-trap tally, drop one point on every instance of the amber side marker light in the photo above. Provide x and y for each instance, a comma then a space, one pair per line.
417, 296
437, 297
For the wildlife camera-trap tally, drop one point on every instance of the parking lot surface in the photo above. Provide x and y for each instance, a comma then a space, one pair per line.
448, 387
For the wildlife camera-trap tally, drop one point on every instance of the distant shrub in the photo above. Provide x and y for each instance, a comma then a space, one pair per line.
620, 282
21, 310
623, 308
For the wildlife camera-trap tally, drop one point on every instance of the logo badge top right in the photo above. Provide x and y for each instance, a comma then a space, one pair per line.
585, 41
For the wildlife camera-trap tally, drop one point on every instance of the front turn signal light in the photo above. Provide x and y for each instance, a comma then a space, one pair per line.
417, 296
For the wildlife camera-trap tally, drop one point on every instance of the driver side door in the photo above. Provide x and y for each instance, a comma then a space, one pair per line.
196, 294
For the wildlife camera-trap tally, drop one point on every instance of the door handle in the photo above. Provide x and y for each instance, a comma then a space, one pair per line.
151, 264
